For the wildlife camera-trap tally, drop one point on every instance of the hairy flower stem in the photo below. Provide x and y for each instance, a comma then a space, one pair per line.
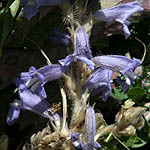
64, 101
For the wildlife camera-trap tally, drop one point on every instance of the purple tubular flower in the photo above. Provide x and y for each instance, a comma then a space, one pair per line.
81, 43
31, 6
60, 38
99, 81
86, 142
28, 101
120, 64
90, 130
82, 50
119, 13
35, 79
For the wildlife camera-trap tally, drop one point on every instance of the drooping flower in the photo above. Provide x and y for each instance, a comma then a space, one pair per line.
35, 79
28, 101
120, 64
81, 43
99, 82
82, 50
31, 6
119, 13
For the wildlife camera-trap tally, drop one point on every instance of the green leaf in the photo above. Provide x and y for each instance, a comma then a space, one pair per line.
136, 93
118, 94
14, 7
133, 141
7, 27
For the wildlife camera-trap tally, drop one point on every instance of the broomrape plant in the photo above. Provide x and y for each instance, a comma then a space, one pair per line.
80, 76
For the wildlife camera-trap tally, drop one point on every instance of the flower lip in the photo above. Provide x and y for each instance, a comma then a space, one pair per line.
99, 81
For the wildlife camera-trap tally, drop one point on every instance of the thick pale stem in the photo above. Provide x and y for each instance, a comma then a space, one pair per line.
64, 100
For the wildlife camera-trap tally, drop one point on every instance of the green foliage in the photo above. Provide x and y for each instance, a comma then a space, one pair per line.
8, 16
118, 94
136, 93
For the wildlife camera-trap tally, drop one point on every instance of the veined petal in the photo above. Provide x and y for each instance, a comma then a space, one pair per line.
33, 102
35, 79
90, 130
51, 72
120, 64
81, 43
117, 63
99, 81
90, 126
119, 13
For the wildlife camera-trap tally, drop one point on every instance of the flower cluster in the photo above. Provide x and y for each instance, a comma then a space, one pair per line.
82, 73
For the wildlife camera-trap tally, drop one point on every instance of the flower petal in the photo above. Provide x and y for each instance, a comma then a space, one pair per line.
51, 72
31, 6
99, 81
90, 126
119, 13
32, 102
90, 130
81, 43
35, 79
117, 63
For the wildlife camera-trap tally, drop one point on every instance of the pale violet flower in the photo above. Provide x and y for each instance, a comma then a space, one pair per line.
35, 79
119, 13
90, 130
99, 82
31, 6
28, 101
86, 140
118, 63
100, 79
82, 50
